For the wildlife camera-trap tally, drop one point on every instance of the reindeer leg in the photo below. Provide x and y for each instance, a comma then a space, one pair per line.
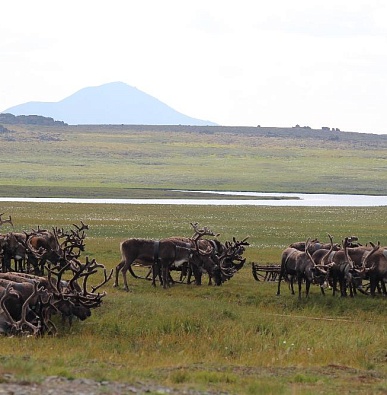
383, 286
307, 286
299, 278
133, 274
334, 285
279, 282
292, 284
373, 286
165, 273
343, 287
124, 270
350, 288
156, 273
7, 264
118, 269
4, 265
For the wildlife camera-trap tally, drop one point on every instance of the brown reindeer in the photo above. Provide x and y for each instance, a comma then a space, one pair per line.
314, 245
342, 269
45, 246
16, 316
14, 249
160, 255
202, 259
299, 264
231, 259
42, 246
27, 301
375, 265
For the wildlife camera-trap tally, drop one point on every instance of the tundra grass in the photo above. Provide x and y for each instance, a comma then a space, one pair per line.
107, 159
239, 338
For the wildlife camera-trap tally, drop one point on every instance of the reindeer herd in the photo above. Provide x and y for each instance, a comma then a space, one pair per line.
42, 274
35, 289
191, 256
343, 267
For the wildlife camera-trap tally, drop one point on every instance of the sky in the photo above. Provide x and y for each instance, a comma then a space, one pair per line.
275, 63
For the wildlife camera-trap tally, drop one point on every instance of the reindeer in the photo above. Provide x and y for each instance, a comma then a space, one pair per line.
202, 259
342, 268
16, 316
72, 299
13, 301
299, 264
68, 298
358, 255
313, 246
44, 246
4, 243
27, 301
375, 264
14, 249
160, 255
232, 254
204, 255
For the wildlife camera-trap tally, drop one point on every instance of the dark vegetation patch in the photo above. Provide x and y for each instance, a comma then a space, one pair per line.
28, 120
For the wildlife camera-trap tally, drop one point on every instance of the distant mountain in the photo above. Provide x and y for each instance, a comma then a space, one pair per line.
108, 104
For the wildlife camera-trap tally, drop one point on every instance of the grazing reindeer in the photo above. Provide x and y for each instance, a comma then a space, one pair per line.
161, 254
375, 265
204, 255
300, 264
231, 260
342, 269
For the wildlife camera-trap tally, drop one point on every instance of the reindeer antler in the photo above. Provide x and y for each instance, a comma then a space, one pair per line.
5, 221
17, 326
82, 227
202, 232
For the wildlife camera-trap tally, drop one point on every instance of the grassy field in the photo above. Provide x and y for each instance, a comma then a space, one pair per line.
239, 338
141, 161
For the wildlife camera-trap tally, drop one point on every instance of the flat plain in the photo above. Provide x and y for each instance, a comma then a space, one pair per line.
239, 338
108, 161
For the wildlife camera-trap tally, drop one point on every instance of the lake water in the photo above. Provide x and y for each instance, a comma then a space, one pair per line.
296, 199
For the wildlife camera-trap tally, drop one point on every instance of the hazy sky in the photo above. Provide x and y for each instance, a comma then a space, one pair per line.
244, 62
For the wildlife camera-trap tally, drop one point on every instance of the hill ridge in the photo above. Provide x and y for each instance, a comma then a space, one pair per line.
108, 104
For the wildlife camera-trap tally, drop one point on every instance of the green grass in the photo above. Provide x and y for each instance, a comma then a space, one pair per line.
238, 338
108, 161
